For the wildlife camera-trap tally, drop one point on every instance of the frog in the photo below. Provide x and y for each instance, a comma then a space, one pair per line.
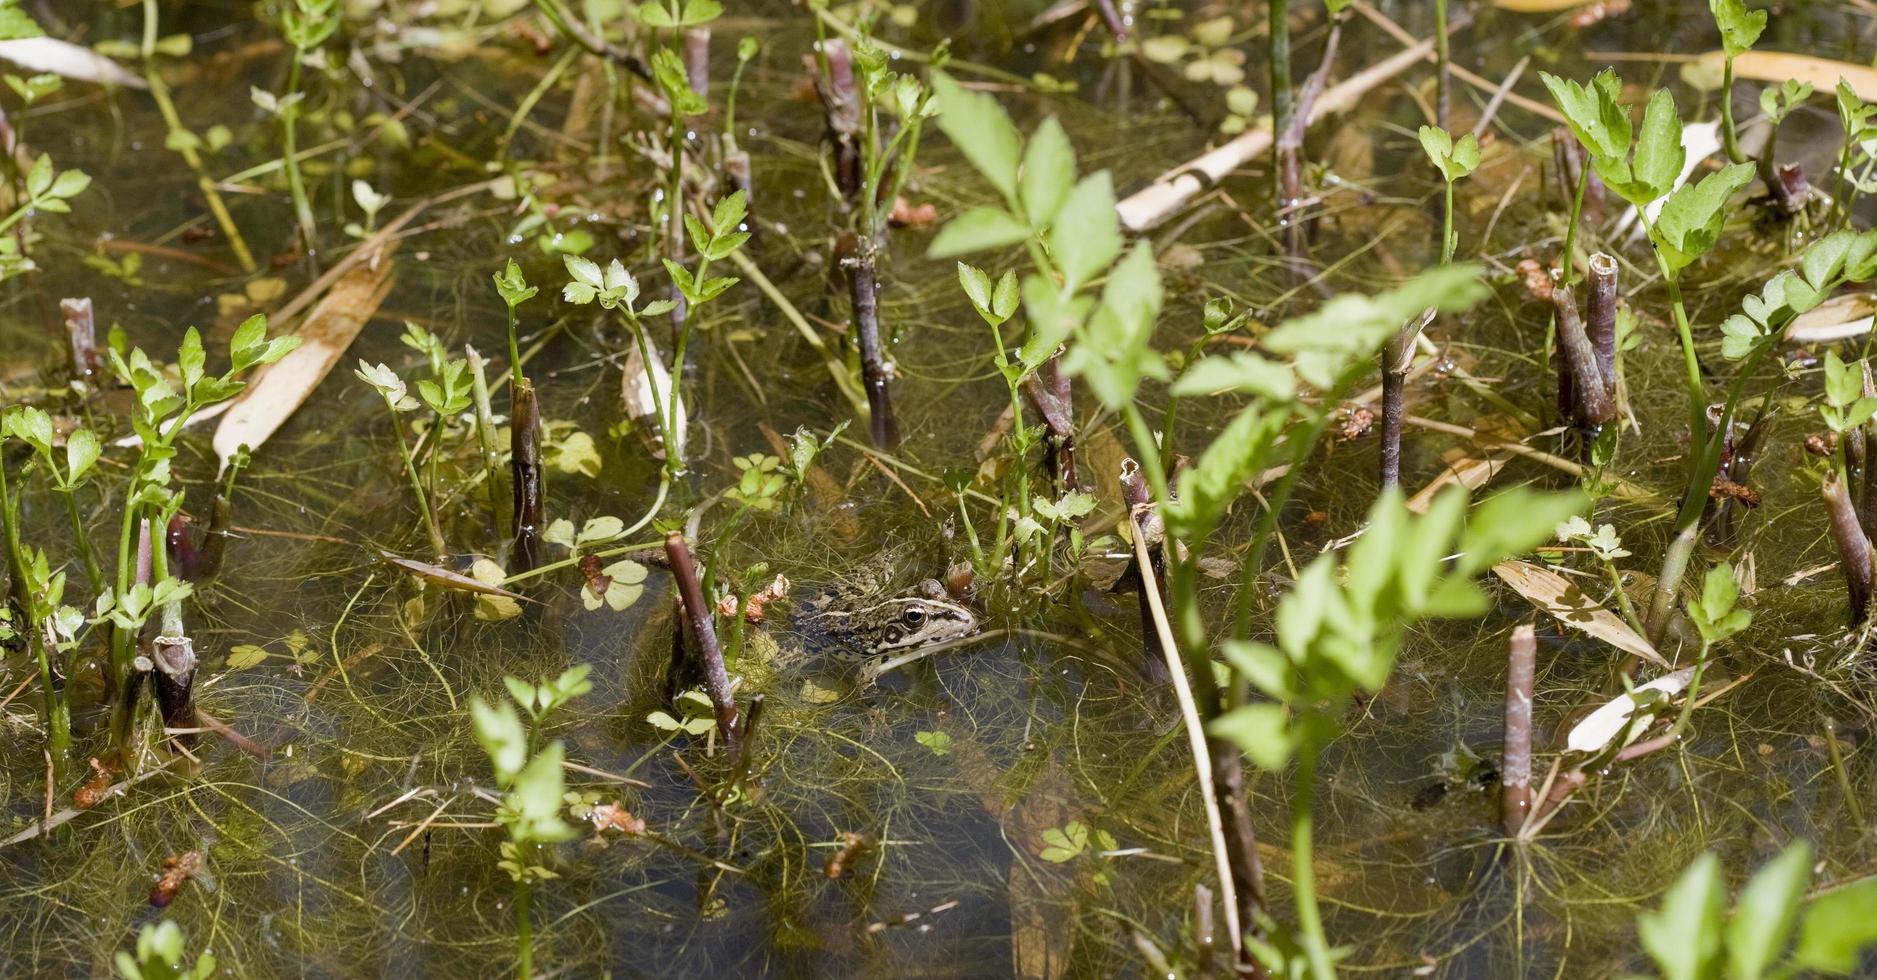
862, 620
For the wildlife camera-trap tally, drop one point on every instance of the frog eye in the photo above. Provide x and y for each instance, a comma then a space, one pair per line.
914, 616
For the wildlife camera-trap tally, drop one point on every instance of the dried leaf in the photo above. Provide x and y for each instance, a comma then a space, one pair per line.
450, 580
1776, 67
49, 54
324, 336
636, 391
1609, 720
1562, 598
1837, 318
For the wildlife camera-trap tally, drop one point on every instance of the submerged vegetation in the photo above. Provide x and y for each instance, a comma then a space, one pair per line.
971, 495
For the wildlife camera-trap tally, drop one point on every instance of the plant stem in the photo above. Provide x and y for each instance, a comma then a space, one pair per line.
1515, 801
1281, 98
93, 573
173, 120
514, 352
1730, 135
1569, 266
524, 929
485, 430
1443, 99
1303, 885
417, 486
289, 138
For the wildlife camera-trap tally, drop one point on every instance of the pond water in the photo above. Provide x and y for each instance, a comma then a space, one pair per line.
1025, 800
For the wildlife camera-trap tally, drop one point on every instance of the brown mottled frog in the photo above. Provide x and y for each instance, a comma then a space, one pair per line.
862, 620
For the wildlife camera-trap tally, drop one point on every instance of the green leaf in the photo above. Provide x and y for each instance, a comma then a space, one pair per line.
39, 178
1453, 160
1047, 174
982, 131
16, 24
939, 742
1004, 300
1243, 372
1764, 916
1691, 220
729, 213
1064, 843
1086, 235
82, 450
1825, 258
1512, 523
1684, 936
977, 286
1344, 333
1659, 153
1240, 451
1261, 731
535, 799
1739, 26
1265, 666
245, 655
976, 230
191, 358
1595, 117
1838, 926
1112, 352
500, 733
1843, 382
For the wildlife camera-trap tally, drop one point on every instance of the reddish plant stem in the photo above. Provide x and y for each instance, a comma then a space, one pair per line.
82, 332
1854, 547
1591, 402
1515, 774
524, 466
1290, 150
697, 59
175, 660
701, 634
1049, 392
1393, 383
1600, 316
875, 374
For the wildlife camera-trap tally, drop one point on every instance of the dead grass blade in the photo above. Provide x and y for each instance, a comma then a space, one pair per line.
324, 336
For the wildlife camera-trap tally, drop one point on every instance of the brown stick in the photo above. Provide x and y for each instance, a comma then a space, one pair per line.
1854, 548
1050, 394
701, 631
1290, 150
1393, 383
1515, 774
1592, 405
874, 371
524, 466
1396, 357
1176, 188
175, 674
81, 330
1601, 316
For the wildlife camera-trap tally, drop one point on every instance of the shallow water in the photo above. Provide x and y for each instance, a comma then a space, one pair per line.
360, 845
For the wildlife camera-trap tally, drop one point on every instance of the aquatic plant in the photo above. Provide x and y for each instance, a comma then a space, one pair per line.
1335, 637
306, 24
529, 774
160, 955
1693, 936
